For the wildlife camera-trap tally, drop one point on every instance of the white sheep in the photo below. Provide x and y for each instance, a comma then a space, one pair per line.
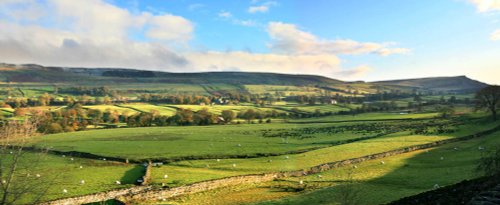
234, 165
37, 175
65, 191
480, 148
442, 158
81, 167
218, 160
355, 167
319, 176
82, 182
239, 145
165, 176
382, 162
72, 159
287, 157
301, 182
436, 186
118, 182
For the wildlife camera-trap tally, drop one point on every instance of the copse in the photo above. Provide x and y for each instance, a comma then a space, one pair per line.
489, 98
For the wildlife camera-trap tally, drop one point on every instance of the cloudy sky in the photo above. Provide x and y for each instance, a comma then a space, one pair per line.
344, 39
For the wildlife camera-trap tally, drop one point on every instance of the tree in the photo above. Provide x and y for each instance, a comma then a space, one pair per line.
490, 163
489, 98
228, 116
15, 180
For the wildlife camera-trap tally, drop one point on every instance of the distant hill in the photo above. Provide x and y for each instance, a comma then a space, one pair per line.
448, 84
31, 73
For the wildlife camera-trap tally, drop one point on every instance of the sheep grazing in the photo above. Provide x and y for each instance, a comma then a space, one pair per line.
82, 182
456, 148
103, 159
218, 160
37, 175
165, 176
319, 176
382, 162
239, 145
118, 183
81, 167
63, 155
286, 157
301, 182
480, 148
234, 165
11, 152
442, 158
65, 191
436, 186
355, 167
72, 159
4, 181
270, 161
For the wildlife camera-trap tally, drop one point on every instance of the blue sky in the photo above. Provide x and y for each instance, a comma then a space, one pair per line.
344, 39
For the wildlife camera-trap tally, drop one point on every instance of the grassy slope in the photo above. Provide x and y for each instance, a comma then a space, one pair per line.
375, 183
63, 173
164, 142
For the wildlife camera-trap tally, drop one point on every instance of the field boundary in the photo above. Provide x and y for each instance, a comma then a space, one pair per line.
146, 193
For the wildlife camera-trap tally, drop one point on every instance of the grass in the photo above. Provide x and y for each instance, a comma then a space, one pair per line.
400, 176
193, 141
142, 107
120, 110
367, 116
61, 173
371, 182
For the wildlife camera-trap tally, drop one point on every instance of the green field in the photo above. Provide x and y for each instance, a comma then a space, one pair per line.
194, 141
398, 176
58, 173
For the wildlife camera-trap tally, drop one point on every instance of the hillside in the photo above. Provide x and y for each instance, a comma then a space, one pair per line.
454, 84
30, 73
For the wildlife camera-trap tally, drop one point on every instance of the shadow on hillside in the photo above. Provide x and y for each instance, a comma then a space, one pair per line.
441, 166
131, 176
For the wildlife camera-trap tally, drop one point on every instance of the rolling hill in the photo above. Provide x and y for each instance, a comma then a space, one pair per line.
31, 73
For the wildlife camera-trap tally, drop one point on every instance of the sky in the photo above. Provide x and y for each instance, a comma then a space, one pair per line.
343, 39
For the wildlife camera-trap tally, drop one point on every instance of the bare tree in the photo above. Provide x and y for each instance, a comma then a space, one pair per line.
489, 98
19, 180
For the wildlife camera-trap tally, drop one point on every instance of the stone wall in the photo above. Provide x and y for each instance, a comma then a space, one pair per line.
102, 196
143, 193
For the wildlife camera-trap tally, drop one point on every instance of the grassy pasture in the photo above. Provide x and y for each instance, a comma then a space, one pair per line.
193, 141
217, 109
375, 183
287, 90
61, 173
167, 111
367, 116
400, 176
103, 108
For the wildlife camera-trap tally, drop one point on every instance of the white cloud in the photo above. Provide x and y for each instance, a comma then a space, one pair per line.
225, 14
255, 9
287, 38
303, 64
169, 27
264, 8
495, 36
90, 33
486, 5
